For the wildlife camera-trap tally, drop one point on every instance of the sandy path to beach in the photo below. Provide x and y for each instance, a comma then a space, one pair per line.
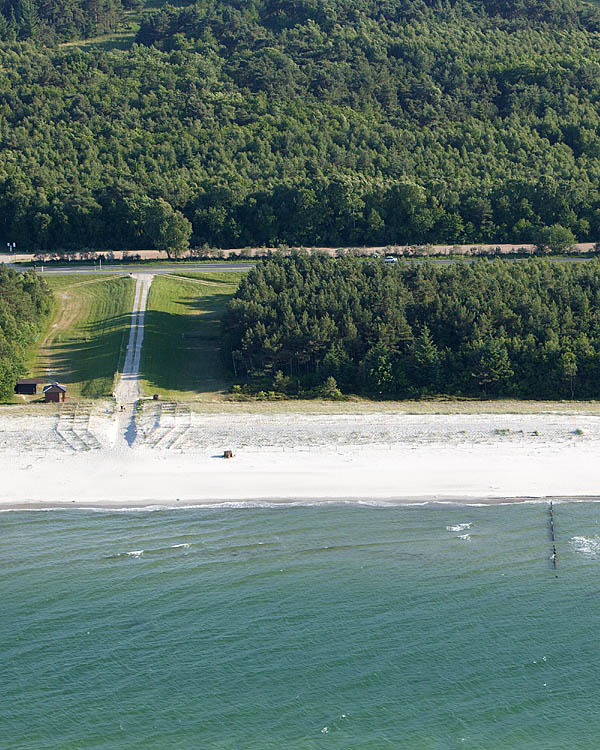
128, 389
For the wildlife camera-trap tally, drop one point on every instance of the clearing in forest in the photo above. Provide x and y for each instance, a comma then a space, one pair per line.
87, 336
124, 36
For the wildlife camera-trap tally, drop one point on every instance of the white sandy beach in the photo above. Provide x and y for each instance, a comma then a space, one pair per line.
175, 460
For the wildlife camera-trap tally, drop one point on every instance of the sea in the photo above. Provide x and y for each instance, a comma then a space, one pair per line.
328, 626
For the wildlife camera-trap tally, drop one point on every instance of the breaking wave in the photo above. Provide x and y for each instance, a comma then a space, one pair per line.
588, 546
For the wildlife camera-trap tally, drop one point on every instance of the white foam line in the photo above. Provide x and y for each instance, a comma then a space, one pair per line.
249, 504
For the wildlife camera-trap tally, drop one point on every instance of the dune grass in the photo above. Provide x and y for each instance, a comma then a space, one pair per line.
181, 357
355, 406
87, 336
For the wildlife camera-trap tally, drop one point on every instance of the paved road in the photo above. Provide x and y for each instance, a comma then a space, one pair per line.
209, 267
140, 268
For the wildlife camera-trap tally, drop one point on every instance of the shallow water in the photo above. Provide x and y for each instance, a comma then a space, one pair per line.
300, 627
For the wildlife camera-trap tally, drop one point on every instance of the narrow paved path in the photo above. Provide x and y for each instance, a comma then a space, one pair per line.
128, 388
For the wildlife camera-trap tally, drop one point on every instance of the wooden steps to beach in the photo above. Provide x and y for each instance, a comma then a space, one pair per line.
183, 422
73, 428
171, 422
165, 423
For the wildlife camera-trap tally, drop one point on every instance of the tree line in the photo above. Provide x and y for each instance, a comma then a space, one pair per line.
351, 122
312, 324
25, 302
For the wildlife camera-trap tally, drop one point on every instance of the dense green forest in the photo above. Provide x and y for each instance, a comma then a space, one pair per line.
51, 20
24, 304
490, 328
300, 122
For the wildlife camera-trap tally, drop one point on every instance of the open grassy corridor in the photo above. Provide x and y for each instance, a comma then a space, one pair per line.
181, 353
86, 340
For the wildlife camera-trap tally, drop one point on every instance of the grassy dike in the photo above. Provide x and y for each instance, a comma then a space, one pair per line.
181, 357
87, 336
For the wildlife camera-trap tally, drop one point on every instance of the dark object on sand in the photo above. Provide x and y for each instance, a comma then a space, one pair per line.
155, 397
227, 454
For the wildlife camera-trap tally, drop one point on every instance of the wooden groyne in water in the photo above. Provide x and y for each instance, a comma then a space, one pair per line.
553, 537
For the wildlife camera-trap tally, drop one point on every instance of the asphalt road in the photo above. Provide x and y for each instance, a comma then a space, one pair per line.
208, 267
139, 268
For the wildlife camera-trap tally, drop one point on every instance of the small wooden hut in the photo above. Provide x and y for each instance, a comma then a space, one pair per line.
28, 386
54, 393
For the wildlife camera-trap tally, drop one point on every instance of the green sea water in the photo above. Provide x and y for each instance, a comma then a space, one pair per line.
334, 626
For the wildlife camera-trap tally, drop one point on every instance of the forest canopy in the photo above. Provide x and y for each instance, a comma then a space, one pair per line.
300, 122
488, 328
24, 304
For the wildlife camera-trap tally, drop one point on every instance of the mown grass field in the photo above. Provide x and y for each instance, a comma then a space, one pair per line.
181, 357
87, 337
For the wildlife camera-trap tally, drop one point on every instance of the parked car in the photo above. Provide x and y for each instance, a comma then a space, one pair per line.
390, 259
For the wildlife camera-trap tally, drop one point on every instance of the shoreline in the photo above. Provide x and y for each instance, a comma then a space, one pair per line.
273, 504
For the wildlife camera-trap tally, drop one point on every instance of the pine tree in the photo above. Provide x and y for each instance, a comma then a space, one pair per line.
568, 364
493, 369
427, 359
27, 19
